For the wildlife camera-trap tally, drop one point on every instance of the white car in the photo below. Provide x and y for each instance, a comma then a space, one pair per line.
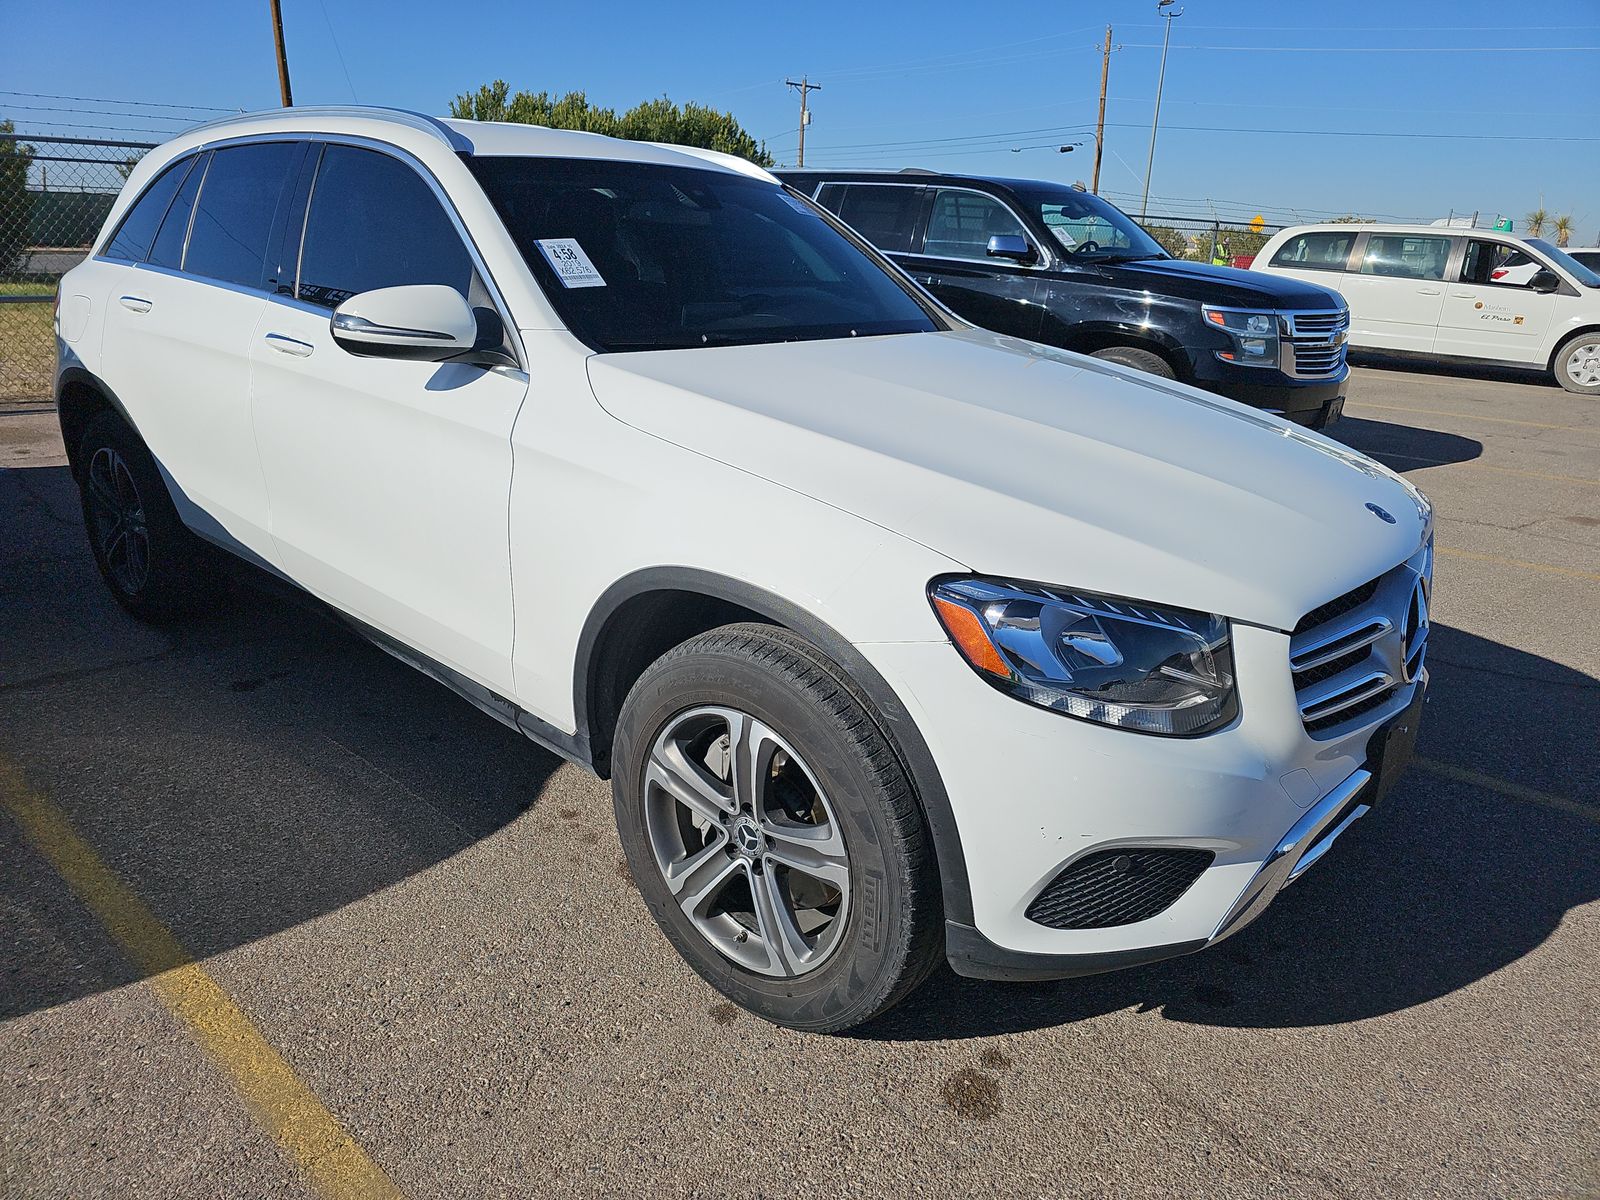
1447, 293
1587, 256
898, 640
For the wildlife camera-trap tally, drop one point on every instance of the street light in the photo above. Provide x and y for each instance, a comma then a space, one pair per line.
1161, 79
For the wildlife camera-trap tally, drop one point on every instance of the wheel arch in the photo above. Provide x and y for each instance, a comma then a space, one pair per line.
1561, 342
674, 604
81, 396
1099, 335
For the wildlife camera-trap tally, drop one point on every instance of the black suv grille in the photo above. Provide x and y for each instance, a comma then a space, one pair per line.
1117, 887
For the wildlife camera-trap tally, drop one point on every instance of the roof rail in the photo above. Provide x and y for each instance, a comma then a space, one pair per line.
915, 171
397, 116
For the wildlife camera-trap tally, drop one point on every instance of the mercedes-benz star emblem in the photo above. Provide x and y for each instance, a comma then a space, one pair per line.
1381, 514
1414, 634
747, 837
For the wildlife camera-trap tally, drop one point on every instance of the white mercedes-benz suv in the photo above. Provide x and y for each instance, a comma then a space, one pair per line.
897, 639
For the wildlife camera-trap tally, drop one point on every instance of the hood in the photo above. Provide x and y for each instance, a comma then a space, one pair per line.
1227, 286
1028, 463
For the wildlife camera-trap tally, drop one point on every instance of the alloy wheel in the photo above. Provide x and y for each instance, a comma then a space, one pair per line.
747, 842
117, 519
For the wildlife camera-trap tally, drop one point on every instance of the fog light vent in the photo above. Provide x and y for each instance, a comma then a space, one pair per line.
1117, 887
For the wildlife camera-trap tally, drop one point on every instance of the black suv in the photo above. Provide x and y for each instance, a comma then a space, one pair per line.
1054, 264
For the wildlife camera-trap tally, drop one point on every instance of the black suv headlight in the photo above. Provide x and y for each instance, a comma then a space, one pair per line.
1119, 662
1255, 335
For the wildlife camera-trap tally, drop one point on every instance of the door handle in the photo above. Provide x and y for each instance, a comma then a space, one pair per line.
285, 344
1428, 291
136, 304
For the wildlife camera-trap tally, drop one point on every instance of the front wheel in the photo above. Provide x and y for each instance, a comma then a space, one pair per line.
773, 832
1140, 360
1578, 364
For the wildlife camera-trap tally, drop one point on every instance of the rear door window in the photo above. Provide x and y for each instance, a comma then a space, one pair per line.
886, 216
132, 240
374, 223
233, 218
1316, 251
962, 222
167, 251
1405, 256
1499, 264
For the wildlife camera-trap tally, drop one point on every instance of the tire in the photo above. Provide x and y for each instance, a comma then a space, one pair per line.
1577, 364
824, 790
154, 566
1139, 360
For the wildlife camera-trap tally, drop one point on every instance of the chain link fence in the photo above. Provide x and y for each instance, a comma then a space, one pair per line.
1213, 241
54, 196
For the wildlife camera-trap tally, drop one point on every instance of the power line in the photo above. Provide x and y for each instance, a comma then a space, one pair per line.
98, 112
129, 103
1378, 49
166, 133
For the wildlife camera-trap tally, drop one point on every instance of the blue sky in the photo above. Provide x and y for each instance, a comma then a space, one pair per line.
945, 85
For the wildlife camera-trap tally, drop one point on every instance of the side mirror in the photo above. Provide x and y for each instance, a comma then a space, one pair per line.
1013, 246
1545, 281
425, 322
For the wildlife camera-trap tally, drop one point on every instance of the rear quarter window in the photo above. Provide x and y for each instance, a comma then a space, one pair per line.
138, 227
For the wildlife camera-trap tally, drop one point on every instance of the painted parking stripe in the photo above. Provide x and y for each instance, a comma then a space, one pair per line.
1505, 787
335, 1163
1517, 562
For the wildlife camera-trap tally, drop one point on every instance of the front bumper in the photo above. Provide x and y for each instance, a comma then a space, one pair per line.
1034, 792
1312, 402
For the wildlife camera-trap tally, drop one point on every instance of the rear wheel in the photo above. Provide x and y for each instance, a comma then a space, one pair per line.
1140, 360
1578, 364
153, 565
772, 830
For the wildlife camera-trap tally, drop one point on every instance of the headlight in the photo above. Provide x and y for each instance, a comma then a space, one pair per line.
1119, 662
1255, 335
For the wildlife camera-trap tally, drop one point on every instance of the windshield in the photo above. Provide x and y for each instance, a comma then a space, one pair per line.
1088, 228
639, 256
1584, 275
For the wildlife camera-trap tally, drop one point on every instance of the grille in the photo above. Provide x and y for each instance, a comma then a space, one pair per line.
1338, 606
1117, 887
1315, 345
1350, 657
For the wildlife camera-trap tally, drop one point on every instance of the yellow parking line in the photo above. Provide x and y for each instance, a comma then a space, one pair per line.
1444, 412
1517, 562
1505, 787
337, 1165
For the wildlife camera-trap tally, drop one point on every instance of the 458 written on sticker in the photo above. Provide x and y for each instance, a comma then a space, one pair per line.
570, 263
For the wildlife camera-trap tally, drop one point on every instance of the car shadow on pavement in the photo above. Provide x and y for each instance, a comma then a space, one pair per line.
243, 774
1445, 884
1379, 361
1405, 447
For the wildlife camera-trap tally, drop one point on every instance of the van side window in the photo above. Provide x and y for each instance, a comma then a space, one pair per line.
374, 223
1498, 263
885, 216
1405, 256
233, 217
1316, 251
131, 242
962, 223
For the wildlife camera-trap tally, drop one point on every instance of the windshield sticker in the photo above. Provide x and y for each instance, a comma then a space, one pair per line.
570, 263
797, 205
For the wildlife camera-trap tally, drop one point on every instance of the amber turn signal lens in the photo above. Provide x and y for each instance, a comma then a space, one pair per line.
967, 632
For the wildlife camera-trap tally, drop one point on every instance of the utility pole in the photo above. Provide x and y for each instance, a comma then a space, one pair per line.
1144, 205
283, 58
803, 87
1100, 128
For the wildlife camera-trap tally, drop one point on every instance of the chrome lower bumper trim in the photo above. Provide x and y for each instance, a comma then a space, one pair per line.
1299, 850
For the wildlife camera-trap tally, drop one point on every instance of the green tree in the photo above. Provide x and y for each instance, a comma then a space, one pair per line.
16, 201
1562, 228
1537, 221
657, 120
1172, 241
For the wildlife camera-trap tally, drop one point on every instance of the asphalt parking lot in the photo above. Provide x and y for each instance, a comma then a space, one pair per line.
415, 950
